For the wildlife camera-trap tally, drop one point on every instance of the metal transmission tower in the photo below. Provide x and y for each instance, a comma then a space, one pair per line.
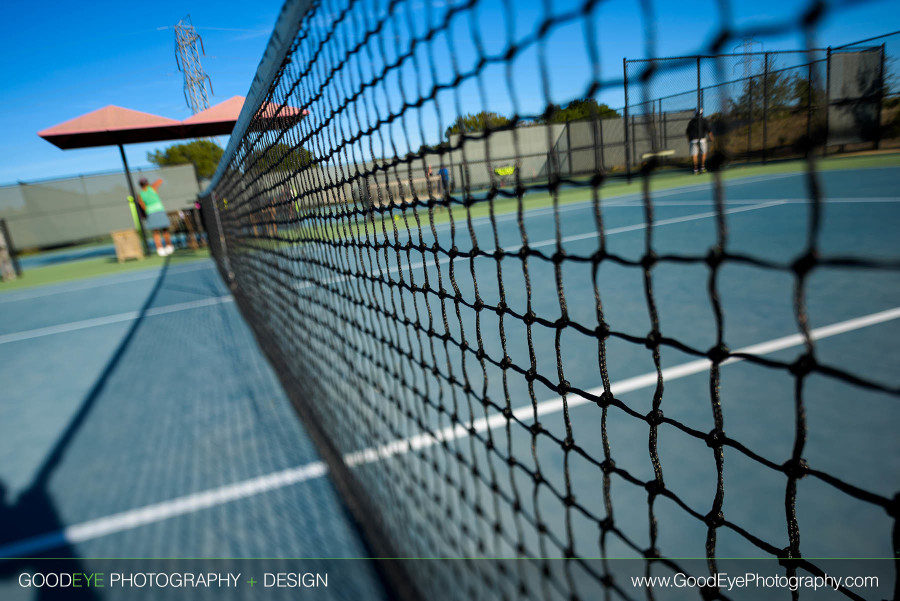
187, 55
748, 59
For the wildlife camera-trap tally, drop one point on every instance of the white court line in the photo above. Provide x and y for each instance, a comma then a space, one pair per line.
629, 199
157, 512
616, 200
551, 242
150, 514
694, 203
526, 412
64, 287
132, 315
640, 226
110, 319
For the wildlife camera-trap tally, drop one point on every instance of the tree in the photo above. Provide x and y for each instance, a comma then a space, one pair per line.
577, 110
478, 122
426, 149
204, 155
803, 90
891, 76
777, 90
282, 157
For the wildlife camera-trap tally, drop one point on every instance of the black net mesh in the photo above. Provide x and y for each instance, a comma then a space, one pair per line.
455, 358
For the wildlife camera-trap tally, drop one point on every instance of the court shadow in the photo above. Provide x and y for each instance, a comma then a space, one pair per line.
32, 534
35, 509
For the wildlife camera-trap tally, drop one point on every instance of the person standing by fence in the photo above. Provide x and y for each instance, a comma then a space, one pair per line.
699, 135
444, 174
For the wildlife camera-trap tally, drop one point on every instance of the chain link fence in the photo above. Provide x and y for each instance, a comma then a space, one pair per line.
761, 106
765, 105
64, 211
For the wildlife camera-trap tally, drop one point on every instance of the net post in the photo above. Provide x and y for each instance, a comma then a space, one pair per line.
827, 98
625, 121
223, 244
765, 115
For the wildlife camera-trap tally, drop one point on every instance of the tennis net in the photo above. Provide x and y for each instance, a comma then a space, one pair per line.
411, 213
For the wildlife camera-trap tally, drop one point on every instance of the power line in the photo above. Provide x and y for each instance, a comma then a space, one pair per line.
201, 27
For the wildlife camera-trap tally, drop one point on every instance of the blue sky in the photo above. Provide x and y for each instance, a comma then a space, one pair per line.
65, 59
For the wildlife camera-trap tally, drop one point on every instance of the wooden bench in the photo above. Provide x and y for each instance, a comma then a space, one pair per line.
9, 266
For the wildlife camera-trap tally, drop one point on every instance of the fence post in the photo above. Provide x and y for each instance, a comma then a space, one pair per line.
827, 98
602, 147
699, 88
627, 147
665, 127
880, 100
809, 109
657, 119
750, 119
633, 140
569, 147
765, 136
449, 172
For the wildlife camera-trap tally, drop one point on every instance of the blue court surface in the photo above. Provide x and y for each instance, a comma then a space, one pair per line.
139, 418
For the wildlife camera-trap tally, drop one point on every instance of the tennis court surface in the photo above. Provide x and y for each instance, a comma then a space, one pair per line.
143, 420
140, 420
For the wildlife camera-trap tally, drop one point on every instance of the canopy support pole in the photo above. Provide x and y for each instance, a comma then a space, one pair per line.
135, 197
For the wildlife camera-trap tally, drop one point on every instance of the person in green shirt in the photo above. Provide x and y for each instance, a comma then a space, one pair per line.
156, 218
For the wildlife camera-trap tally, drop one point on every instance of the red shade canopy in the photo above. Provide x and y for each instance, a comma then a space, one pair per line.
109, 126
114, 125
220, 119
